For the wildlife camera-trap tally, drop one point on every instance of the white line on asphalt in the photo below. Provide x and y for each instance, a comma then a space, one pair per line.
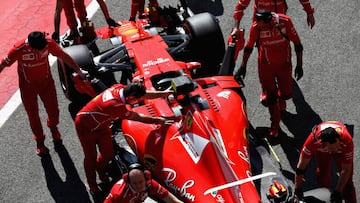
8, 109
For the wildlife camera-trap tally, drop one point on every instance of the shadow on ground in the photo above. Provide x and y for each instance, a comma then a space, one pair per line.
299, 125
72, 189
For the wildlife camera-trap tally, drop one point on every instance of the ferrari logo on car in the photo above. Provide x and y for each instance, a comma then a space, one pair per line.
188, 121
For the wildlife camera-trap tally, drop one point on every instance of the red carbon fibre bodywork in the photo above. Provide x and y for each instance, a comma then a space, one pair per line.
204, 147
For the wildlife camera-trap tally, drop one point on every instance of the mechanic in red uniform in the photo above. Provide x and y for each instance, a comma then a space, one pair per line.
93, 122
86, 25
136, 186
277, 6
67, 6
137, 8
272, 33
82, 14
35, 79
329, 141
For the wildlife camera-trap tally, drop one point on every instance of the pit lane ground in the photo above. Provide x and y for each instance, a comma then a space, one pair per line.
328, 91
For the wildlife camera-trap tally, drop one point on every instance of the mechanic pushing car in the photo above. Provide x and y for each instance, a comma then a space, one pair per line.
329, 141
35, 79
136, 185
87, 27
93, 123
137, 8
272, 33
270, 5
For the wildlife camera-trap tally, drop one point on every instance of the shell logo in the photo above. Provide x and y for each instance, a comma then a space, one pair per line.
131, 31
245, 134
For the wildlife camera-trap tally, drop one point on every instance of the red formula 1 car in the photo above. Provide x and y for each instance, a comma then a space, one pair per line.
204, 155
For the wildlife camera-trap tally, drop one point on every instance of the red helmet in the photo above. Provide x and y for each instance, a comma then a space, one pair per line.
277, 192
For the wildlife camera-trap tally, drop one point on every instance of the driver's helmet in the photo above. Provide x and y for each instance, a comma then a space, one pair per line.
277, 192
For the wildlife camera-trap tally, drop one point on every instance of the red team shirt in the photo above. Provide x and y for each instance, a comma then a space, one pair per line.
33, 64
122, 192
274, 46
103, 109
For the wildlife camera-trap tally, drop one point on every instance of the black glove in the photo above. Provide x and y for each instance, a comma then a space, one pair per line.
55, 36
111, 22
299, 72
299, 194
241, 72
336, 197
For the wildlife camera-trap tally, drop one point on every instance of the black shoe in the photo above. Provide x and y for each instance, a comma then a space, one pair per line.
42, 151
58, 145
112, 23
98, 196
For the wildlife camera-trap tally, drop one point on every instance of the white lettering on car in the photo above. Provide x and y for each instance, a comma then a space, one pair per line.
155, 62
219, 198
182, 190
244, 155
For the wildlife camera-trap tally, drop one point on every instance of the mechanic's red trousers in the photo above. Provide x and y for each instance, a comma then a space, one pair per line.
92, 163
47, 93
69, 13
276, 84
323, 173
137, 7
81, 10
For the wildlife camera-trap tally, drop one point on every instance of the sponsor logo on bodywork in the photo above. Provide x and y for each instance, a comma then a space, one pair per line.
244, 155
150, 161
193, 144
182, 190
155, 62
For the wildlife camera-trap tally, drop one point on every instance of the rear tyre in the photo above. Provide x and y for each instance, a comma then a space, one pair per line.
206, 43
83, 57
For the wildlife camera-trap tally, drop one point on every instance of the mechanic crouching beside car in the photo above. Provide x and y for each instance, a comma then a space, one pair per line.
93, 123
136, 185
329, 141
35, 80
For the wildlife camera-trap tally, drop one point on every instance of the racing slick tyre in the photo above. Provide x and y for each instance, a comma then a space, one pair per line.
206, 43
83, 57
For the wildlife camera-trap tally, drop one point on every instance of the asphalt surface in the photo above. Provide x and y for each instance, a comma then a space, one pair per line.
328, 91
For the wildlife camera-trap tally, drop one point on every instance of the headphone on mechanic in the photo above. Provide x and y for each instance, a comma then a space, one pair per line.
147, 173
263, 15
